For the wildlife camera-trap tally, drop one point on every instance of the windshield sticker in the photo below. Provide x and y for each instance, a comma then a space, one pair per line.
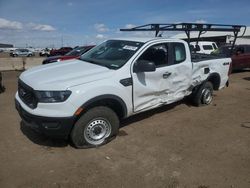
127, 47
114, 65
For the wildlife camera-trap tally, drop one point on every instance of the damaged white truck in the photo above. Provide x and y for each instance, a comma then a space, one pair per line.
85, 99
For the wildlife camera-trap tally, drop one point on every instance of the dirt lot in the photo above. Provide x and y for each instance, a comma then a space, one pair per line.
175, 146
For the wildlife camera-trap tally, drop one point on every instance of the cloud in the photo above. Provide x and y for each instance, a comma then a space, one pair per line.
199, 11
128, 26
70, 4
101, 27
100, 36
201, 21
134, 33
41, 27
12, 25
15, 25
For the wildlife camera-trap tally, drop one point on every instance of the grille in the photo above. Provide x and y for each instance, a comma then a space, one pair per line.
27, 94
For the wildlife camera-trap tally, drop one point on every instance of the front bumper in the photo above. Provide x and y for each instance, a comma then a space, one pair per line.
55, 127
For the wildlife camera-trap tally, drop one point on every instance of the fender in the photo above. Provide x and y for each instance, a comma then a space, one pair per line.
108, 97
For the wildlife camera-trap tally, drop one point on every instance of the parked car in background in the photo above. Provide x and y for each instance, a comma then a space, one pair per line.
240, 56
75, 53
203, 47
45, 52
61, 51
21, 52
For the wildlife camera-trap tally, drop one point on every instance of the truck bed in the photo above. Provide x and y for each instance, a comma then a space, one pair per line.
197, 57
206, 64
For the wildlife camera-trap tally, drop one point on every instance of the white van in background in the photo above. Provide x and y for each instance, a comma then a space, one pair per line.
203, 47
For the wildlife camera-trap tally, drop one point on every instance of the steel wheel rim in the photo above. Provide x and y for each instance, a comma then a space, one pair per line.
207, 96
97, 131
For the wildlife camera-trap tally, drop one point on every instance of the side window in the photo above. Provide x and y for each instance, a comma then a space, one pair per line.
179, 53
157, 53
207, 47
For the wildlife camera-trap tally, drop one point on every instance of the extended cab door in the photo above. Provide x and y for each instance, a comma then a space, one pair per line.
169, 82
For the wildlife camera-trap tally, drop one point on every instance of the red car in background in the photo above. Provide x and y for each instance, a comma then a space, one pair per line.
240, 56
75, 53
61, 51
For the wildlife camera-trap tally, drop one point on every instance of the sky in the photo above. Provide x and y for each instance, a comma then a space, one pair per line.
56, 23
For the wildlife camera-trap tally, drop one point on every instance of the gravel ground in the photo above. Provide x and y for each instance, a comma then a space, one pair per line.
171, 147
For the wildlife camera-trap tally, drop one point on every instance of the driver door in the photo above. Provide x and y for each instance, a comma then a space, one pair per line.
168, 83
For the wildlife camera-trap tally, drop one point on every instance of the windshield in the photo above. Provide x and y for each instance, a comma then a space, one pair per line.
112, 53
77, 51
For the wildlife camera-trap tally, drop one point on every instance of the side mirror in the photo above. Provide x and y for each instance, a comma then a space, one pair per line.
144, 66
238, 53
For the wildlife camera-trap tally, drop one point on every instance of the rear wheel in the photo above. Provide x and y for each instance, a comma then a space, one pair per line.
94, 128
203, 95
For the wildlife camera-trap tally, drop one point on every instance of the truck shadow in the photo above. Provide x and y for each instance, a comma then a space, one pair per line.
240, 71
247, 78
43, 140
149, 113
40, 139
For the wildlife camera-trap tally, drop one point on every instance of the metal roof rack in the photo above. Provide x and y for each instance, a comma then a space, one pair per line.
189, 27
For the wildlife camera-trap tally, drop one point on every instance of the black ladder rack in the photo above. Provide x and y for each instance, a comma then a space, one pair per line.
190, 27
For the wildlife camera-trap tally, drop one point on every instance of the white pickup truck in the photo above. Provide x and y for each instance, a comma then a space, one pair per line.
85, 98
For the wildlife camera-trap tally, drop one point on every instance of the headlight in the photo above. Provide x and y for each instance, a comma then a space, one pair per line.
52, 96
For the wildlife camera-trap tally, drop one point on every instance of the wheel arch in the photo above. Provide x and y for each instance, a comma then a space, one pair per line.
215, 79
112, 101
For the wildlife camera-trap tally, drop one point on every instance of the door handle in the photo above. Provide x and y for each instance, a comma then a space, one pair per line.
166, 75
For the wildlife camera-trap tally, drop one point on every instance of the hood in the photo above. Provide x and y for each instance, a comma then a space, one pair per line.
66, 57
53, 57
62, 75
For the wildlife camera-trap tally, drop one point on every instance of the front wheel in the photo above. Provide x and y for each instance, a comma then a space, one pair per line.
94, 128
203, 95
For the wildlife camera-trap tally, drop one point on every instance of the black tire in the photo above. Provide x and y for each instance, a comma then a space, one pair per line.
97, 122
203, 95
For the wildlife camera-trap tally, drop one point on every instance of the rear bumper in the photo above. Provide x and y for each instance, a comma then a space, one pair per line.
55, 127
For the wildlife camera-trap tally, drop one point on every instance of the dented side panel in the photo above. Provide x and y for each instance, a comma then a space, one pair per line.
153, 89
164, 86
219, 66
